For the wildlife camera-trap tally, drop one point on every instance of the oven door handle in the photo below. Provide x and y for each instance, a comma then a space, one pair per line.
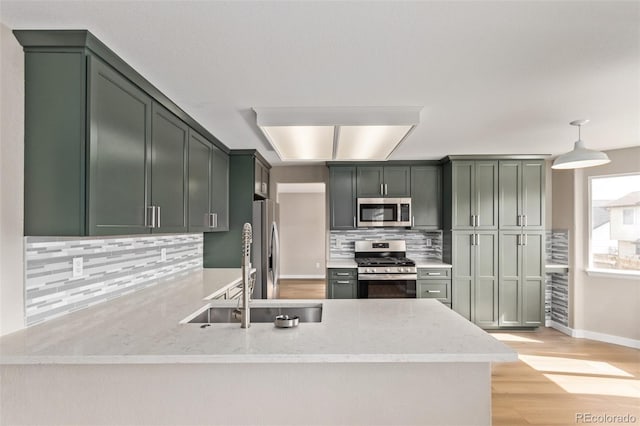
387, 277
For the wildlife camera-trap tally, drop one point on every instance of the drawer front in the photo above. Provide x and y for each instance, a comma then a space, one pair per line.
433, 273
343, 274
342, 289
433, 289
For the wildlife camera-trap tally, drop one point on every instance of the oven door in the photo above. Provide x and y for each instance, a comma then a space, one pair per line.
386, 286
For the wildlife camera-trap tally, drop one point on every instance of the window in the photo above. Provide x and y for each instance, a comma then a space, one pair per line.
627, 216
615, 223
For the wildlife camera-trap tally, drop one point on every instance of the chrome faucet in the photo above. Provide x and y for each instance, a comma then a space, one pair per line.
247, 239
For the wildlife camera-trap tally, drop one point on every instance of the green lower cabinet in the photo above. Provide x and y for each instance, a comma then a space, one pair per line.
474, 292
521, 296
434, 289
342, 283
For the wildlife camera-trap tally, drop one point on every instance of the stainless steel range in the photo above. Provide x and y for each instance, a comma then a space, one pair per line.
384, 270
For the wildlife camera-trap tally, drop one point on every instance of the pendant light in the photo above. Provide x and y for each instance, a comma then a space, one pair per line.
580, 156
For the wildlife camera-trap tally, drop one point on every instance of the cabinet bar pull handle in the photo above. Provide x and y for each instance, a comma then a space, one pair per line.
434, 291
524, 217
342, 274
524, 239
381, 189
434, 273
473, 239
413, 221
477, 220
150, 217
473, 220
354, 221
519, 220
158, 214
215, 219
386, 189
519, 240
342, 282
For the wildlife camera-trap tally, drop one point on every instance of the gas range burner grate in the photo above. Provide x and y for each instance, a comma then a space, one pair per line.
384, 261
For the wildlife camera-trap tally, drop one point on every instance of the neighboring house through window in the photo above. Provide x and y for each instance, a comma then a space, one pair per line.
615, 222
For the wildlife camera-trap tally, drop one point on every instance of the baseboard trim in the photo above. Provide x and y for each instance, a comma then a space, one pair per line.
302, 277
593, 335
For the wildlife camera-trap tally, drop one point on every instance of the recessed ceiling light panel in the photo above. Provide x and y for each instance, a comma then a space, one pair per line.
340, 133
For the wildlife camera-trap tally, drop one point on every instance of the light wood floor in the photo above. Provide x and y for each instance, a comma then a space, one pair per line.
556, 379
302, 289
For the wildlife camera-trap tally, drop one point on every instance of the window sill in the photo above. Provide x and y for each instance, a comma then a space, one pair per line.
628, 275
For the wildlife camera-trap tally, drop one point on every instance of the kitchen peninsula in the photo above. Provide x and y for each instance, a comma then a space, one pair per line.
130, 361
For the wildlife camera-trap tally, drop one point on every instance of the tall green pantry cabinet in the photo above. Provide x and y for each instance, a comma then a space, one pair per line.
106, 153
493, 234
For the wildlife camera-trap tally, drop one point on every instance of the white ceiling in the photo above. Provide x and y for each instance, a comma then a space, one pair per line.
494, 77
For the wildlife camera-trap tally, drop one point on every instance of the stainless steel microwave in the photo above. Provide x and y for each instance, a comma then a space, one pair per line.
380, 212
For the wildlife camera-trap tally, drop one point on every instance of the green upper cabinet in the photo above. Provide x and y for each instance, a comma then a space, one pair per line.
474, 190
383, 181
106, 153
261, 175
208, 186
119, 149
219, 189
426, 197
522, 194
169, 180
521, 295
199, 183
342, 192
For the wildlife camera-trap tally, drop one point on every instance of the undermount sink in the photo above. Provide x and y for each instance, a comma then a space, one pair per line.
264, 314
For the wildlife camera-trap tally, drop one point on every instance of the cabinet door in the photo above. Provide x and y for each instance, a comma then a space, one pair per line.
265, 182
486, 279
510, 202
426, 197
120, 143
533, 278
199, 183
370, 182
463, 272
220, 189
533, 190
486, 194
343, 289
462, 194
510, 293
169, 184
397, 181
261, 175
342, 187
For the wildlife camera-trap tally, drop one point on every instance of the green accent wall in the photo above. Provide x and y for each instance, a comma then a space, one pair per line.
223, 249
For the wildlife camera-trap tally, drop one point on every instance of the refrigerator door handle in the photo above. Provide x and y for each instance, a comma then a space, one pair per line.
275, 254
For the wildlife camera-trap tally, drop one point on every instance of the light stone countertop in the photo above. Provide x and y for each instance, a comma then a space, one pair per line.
341, 263
426, 264
144, 328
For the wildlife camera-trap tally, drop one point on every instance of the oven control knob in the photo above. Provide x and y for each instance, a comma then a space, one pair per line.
388, 269
403, 270
370, 270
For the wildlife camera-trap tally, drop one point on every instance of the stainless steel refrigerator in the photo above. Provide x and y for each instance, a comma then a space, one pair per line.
265, 250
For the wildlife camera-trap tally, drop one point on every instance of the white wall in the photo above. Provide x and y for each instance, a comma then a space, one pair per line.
302, 235
602, 307
11, 182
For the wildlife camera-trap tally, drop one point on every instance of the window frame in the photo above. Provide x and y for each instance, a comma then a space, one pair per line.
590, 269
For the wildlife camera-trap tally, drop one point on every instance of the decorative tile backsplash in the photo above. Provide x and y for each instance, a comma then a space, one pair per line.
112, 267
421, 245
557, 284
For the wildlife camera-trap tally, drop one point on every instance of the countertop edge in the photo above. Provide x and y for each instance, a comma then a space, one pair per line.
257, 359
